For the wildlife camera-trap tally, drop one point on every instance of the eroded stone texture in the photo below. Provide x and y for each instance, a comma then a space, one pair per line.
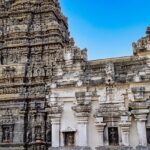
49, 89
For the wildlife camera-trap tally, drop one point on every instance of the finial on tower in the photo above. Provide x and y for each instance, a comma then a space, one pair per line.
148, 31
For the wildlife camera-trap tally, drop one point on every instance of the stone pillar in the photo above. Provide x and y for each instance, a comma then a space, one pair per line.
141, 128
1, 133
100, 128
82, 127
32, 130
11, 134
55, 132
140, 111
125, 128
54, 111
43, 131
82, 111
19, 136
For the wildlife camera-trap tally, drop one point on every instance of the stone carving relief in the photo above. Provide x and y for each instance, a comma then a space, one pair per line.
1, 33
49, 132
82, 105
108, 110
7, 122
55, 106
138, 93
9, 73
109, 93
69, 138
6, 134
7, 118
110, 72
37, 133
10, 90
142, 44
29, 135
113, 136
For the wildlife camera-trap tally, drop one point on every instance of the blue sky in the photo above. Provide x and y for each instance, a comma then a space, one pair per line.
107, 28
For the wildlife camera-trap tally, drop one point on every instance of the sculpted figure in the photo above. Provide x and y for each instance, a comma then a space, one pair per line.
69, 139
38, 133
109, 69
6, 135
113, 136
29, 136
110, 72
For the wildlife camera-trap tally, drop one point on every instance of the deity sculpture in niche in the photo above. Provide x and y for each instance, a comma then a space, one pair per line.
29, 136
113, 136
6, 134
48, 136
69, 138
110, 71
38, 133
48, 133
109, 93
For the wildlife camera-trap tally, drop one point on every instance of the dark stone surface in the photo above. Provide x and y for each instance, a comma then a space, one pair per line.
11, 147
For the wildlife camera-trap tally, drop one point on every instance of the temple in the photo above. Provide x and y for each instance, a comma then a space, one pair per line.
53, 97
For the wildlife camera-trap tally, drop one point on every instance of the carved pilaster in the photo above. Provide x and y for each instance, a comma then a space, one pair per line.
125, 122
55, 122
31, 128
82, 111
100, 128
83, 105
141, 128
21, 126
125, 130
7, 123
54, 116
140, 111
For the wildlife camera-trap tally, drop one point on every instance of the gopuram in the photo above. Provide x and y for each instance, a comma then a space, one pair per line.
53, 98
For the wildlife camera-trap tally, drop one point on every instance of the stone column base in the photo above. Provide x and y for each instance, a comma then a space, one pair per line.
70, 148
12, 147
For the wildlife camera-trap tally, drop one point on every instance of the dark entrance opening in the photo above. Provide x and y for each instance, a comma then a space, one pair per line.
69, 139
148, 135
6, 134
113, 136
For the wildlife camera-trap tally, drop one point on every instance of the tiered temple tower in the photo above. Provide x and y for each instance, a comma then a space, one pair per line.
52, 97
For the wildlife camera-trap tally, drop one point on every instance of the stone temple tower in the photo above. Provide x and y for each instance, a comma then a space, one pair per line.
52, 97
35, 50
